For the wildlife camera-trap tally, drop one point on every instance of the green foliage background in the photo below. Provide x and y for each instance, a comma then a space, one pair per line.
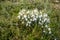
10, 28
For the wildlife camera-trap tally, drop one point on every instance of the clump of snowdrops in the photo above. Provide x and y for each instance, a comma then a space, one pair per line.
34, 17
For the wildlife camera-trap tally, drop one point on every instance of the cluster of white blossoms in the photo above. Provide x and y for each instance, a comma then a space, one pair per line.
33, 17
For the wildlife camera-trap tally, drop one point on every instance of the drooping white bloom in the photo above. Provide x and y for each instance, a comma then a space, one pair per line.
40, 19
23, 10
25, 16
45, 15
48, 20
36, 14
31, 19
39, 22
35, 10
32, 15
40, 12
45, 19
34, 19
26, 19
49, 29
22, 18
26, 24
50, 32
55, 39
44, 31
40, 16
18, 16
22, 22
20, 13
28, 12
46, 26
29, 22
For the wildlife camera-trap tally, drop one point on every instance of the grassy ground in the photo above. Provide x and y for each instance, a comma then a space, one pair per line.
11, 29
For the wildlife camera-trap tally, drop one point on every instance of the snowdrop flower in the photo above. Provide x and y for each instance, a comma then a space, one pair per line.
27, 24
22, 22
40, 19
55, 39
25, 16
46, 26
50, 32
28, 16
26, 19
40, 12
23, 10
31, 19
40, 16
49, 29
35, 10
48, 20
22, 18
44, 31
21, 14
18, 16
45, 15
42, 22
34, 19
39, 22
28, 12
45, 19
36, 14
32, 15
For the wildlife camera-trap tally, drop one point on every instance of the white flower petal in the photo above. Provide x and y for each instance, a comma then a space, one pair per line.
45, 15
49, 29
50, 32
